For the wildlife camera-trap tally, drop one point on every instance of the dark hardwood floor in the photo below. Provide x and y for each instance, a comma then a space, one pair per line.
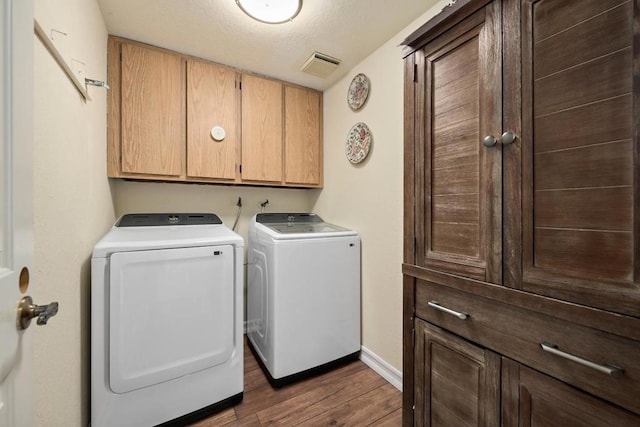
351, 395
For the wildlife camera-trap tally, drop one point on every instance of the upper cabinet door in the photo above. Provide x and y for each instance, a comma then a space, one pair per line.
303, 145
261, 129
581, 222
152, 111
458, 181
212, 100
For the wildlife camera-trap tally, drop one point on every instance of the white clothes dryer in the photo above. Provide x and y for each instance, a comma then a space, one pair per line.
166, 320
303, 294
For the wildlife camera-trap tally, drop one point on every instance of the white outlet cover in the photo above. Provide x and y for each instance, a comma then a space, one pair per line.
218, 133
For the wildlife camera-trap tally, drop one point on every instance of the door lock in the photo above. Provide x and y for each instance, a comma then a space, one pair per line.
27, 310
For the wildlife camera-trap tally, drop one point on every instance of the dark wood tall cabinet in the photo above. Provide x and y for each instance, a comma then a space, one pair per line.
522, 214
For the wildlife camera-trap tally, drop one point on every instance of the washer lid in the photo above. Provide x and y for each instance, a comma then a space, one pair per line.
284, 218
309, 228
288, 226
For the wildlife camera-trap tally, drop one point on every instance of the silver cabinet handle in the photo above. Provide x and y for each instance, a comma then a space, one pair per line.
614, 371
489, 141
459, 314
507, 138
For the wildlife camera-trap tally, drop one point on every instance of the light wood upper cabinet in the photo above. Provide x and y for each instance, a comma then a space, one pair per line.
261, 129
163, 105
302, 146
152, 112
212, 100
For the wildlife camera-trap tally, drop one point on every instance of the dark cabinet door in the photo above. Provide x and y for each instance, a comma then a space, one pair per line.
456, 382
580, 154
458, 179
534, 399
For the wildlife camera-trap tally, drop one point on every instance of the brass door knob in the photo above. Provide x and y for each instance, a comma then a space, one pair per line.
27, 310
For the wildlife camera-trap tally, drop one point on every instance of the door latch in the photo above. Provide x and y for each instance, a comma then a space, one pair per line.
27, 310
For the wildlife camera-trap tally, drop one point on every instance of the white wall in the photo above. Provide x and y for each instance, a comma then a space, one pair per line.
368, 197
137, 196
73, 208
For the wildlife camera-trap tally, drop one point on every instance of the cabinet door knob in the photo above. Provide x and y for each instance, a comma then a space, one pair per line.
489, 141
508, 138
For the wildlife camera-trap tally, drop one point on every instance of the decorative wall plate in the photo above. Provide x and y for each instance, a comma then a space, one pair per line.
358, 143
358, 91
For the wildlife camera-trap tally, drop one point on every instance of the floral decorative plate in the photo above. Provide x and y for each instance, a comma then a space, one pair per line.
358, 91
358, 143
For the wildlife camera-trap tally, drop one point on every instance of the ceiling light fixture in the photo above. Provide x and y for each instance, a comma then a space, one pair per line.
271, 11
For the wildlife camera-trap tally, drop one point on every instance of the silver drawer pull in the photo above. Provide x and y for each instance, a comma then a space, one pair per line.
614, 371
459, 314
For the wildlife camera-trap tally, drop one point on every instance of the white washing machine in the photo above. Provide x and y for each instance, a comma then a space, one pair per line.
166, 320
303, 294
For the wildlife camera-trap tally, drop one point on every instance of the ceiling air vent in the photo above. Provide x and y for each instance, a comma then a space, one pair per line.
320, 65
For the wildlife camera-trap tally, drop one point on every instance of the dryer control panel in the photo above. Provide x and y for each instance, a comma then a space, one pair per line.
164, 219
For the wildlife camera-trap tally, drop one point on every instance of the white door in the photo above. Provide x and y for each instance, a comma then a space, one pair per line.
16, 106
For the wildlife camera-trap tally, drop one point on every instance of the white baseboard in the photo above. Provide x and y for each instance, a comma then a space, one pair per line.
385, 370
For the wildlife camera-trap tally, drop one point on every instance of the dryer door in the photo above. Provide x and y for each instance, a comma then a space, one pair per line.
171, 313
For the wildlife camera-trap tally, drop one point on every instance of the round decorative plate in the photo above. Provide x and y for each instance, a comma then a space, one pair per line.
358, 143
358, 91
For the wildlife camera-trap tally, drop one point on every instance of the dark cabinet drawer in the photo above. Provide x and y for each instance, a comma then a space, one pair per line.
600, 363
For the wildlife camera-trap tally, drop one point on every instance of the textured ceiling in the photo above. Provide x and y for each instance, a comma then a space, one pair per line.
219, 31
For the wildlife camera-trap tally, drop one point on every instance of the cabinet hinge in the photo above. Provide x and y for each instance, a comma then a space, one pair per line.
415, 247
415, 73
240, 85
413, 338
240, 168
